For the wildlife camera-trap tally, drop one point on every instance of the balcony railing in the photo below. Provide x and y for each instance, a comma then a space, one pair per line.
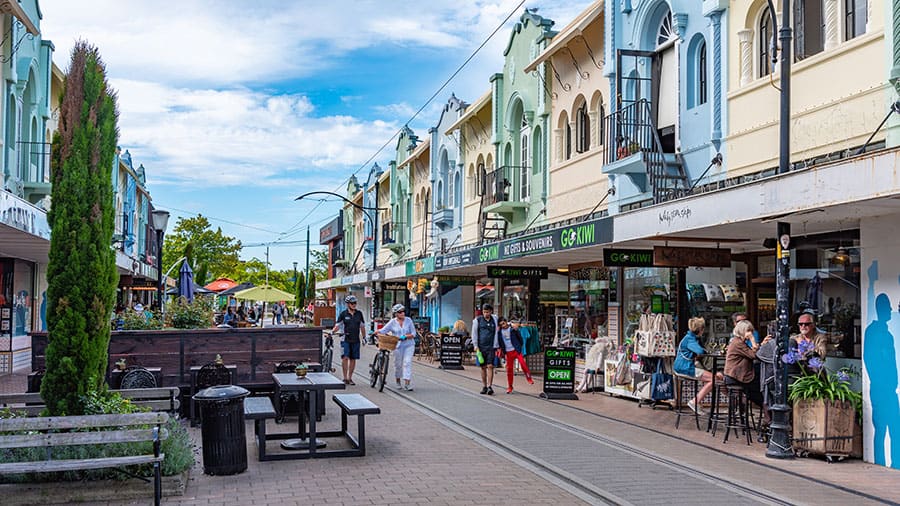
631, 130
498, 184
34, 161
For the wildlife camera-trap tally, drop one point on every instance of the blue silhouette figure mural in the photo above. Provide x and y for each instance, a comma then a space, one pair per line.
881, 365
44, 311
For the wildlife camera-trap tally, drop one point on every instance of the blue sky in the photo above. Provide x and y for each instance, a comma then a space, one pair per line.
235, 108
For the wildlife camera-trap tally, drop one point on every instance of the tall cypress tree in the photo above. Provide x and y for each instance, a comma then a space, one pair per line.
81, 272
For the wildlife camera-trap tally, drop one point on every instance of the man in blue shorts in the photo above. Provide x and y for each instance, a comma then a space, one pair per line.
354, 326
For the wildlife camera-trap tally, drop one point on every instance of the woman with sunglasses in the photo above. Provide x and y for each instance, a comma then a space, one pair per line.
402, 327
511, 342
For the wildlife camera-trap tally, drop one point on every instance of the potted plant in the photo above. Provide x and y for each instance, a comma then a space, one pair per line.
301, 370
827, 409
445, 330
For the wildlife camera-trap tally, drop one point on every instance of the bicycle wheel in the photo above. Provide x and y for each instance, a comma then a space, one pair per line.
375, 369
326, 360
384, 370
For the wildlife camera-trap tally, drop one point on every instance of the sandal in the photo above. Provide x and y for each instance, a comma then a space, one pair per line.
350, 382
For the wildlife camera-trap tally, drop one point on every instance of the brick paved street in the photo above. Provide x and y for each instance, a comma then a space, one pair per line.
608, 444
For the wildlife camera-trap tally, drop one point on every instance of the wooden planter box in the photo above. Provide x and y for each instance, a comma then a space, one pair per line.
826, 428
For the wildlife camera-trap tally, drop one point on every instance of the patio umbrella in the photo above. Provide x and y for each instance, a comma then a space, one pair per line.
186, 282
264, 293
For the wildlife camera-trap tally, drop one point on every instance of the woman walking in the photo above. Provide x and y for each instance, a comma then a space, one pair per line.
402, 327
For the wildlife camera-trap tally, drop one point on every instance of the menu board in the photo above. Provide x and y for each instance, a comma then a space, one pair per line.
451, 351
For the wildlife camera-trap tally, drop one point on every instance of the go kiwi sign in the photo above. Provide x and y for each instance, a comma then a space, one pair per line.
559, 239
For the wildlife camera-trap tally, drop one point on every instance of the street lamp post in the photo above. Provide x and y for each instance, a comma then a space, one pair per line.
780, 441
160, 220
365, 213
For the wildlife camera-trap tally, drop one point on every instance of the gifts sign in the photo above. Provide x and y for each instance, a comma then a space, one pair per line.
559, 373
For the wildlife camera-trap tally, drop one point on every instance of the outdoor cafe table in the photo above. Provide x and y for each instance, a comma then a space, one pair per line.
714, 415
312, 382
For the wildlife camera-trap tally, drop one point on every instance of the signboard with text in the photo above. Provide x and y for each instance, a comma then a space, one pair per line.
559, 373
501, 271
627, 257
451, 351
664, 256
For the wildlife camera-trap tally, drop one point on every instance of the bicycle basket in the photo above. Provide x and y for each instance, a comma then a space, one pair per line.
389, 343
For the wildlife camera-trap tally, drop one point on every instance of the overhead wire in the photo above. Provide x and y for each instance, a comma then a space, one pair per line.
436, 93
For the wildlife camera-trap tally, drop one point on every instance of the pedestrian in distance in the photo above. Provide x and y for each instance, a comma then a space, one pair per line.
354, 328
485, 330
510, 344
402, 327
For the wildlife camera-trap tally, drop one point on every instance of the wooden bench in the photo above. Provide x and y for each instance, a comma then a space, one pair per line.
259, 409
356, 404
57, 431
156, 399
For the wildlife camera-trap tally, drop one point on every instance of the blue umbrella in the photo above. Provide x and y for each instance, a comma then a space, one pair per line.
186, 282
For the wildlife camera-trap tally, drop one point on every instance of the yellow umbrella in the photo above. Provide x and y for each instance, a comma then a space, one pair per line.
264, 293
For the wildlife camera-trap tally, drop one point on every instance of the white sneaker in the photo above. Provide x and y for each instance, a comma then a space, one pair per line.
693, 407
408, 388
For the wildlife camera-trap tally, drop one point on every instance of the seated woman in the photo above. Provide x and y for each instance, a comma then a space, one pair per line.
229, 318
739, 361
684, 365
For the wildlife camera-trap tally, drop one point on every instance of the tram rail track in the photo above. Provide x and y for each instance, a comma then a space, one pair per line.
587, 491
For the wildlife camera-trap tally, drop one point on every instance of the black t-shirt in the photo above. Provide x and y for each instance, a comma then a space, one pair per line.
352, 324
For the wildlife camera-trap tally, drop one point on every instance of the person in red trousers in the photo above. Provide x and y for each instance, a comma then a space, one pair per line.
510, 344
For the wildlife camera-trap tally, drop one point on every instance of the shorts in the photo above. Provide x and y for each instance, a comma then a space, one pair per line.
698, 371
350, 350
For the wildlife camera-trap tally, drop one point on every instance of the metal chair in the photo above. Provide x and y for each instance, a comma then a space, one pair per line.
137, 377
209, 375
680, 406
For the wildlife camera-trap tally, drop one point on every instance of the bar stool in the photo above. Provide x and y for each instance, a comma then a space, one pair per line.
680, 406
738, 412
715, 414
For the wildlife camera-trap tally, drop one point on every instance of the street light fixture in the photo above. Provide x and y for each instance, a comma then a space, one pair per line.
373, 221
160, 219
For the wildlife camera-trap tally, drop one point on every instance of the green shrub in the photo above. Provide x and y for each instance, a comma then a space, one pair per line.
132, 320
178, 448
182, 314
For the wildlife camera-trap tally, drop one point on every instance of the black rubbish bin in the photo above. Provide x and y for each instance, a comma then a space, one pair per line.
222, 429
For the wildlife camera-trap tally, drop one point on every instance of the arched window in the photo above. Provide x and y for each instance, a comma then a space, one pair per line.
582, 129
701, 73
480, 176
524, 155
766, 27
601, 123
457, 190
567, 141
665, 31
537, 152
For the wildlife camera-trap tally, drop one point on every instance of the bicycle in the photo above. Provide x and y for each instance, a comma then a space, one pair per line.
328, 352
379, 367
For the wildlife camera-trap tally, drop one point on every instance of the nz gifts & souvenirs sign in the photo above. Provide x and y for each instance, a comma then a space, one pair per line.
558, 239
559, 373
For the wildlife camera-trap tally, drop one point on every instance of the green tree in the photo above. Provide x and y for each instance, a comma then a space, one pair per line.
210, 252
81, 271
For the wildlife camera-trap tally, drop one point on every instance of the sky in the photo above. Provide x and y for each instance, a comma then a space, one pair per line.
236, 108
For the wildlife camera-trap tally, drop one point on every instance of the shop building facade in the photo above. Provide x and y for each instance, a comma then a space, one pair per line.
666, 200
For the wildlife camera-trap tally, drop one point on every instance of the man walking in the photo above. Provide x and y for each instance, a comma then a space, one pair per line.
354, 327
484, 330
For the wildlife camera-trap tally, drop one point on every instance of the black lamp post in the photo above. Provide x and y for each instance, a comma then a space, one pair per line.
780, 441
160, 220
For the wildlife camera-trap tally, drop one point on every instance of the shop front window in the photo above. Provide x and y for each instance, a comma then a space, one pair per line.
588, 295
515, 300
646, 290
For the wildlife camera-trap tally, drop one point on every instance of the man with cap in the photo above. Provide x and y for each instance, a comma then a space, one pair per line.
485, 329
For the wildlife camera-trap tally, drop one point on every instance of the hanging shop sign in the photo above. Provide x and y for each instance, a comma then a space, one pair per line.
559, 373
664, 256
459, 259
456, 281
501, 271
393, 286
451, 351
627, 257
420, 266
332, 230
